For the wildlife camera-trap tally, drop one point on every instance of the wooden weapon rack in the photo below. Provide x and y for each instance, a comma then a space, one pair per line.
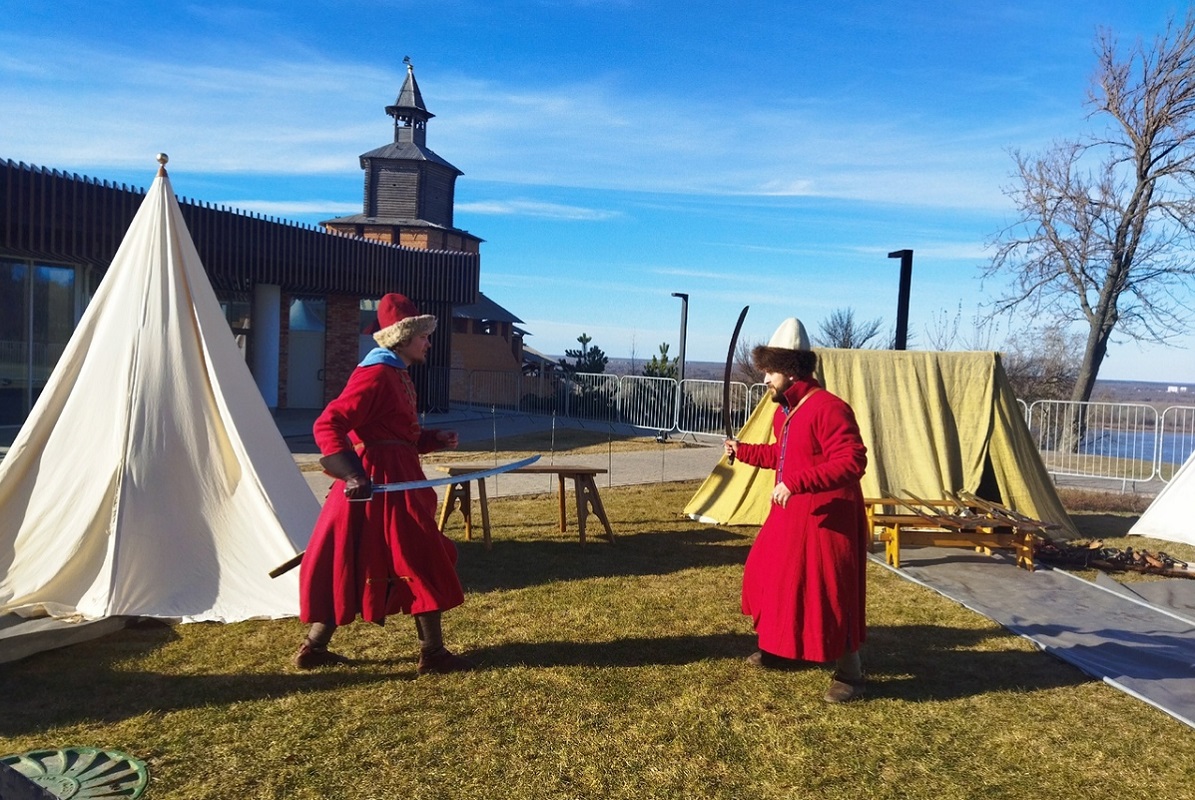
961, 520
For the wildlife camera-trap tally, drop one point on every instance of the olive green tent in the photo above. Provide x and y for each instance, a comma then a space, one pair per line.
933, 423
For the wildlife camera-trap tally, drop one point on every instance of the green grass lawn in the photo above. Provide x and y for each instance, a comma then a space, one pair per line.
609, 671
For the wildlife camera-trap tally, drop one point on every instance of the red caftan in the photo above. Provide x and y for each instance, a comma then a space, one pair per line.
803, 584
385, 555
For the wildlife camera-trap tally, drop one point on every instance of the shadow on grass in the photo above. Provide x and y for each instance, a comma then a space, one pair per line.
630, 652
115, 697
83, 684
919, 663
911, 663
1103, 526
523, 563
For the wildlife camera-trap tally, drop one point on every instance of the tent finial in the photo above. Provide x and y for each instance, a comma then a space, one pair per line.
162, 159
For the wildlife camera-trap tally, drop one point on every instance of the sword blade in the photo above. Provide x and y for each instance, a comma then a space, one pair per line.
470, 476
407, 486
734, 340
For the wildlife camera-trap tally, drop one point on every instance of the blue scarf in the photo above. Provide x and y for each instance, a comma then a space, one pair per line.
382, 355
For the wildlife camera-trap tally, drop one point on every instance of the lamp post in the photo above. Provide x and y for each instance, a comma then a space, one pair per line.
902, 298
684, 322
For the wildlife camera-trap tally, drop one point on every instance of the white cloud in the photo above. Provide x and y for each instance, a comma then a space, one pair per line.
309, 116
531, 208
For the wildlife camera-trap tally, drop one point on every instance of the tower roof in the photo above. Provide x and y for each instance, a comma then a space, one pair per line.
406, 151
409, 103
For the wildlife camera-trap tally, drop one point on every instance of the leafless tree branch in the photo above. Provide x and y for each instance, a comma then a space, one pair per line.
1104, 225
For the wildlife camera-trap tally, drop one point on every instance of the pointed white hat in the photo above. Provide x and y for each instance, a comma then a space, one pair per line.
790, 336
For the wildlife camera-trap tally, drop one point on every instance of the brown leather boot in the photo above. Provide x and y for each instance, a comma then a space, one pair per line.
434, 657
762, 658
312, 656
844, 690
442, 661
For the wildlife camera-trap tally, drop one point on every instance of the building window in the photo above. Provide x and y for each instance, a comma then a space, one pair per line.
39, 307
237, 310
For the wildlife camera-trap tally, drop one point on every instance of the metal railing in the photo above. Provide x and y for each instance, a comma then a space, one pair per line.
699, 407
1126, 442
1176, 439
648, 403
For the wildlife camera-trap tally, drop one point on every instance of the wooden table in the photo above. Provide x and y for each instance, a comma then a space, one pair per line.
585, 489
895, 529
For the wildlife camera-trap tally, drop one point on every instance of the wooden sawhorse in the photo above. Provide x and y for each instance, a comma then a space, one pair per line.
584, 487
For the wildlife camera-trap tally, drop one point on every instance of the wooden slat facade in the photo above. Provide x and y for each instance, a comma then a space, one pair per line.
49, 216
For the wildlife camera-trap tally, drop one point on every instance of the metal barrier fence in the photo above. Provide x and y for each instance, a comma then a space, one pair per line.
699, 408
1176, 440
648, 403
1126, 442
654, 404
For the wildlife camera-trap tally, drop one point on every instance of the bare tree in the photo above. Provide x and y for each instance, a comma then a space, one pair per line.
945, 332
1105, 222
841, 330
1041, 363
744, 366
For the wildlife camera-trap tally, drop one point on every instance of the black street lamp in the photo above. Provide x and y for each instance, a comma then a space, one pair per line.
902, 298
684, 322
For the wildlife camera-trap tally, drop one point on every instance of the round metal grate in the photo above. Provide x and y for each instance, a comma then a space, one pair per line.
82, 772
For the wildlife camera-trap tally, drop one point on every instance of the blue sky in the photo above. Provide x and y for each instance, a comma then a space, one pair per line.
768, 154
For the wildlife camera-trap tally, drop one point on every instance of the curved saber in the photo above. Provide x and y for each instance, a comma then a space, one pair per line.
469, 476
404, 486
734, 340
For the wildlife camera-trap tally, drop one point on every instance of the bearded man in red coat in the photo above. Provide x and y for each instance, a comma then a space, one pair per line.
804, 581
375, 554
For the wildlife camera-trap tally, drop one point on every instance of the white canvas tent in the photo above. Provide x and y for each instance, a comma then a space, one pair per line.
1169, 515
150, 478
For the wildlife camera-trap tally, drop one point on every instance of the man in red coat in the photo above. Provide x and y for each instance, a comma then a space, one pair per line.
375, 554
804, 580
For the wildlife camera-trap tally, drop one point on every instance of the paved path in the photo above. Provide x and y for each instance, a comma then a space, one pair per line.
674, 460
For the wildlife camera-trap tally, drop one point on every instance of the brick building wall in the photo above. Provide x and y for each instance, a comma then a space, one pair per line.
284, 350
341, 342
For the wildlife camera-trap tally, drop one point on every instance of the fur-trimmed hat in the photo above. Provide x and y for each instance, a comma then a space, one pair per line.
788, 351
399, 320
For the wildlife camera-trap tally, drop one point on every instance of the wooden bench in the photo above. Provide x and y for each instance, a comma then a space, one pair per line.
896, 529
585, 489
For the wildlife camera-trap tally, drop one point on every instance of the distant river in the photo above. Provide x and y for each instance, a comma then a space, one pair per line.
1139, 445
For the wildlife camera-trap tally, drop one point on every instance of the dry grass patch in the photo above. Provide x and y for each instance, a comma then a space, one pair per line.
1083, 500
609, 671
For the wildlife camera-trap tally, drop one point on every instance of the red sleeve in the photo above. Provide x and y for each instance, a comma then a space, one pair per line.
764, 456
844, 456
361, 401
428, 443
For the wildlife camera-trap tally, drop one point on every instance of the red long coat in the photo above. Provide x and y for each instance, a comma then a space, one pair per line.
386, 555
804, 582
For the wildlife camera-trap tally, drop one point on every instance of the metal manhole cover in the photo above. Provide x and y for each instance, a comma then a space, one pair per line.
82, 772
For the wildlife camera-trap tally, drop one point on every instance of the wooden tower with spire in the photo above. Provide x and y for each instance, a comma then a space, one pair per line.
409, 190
